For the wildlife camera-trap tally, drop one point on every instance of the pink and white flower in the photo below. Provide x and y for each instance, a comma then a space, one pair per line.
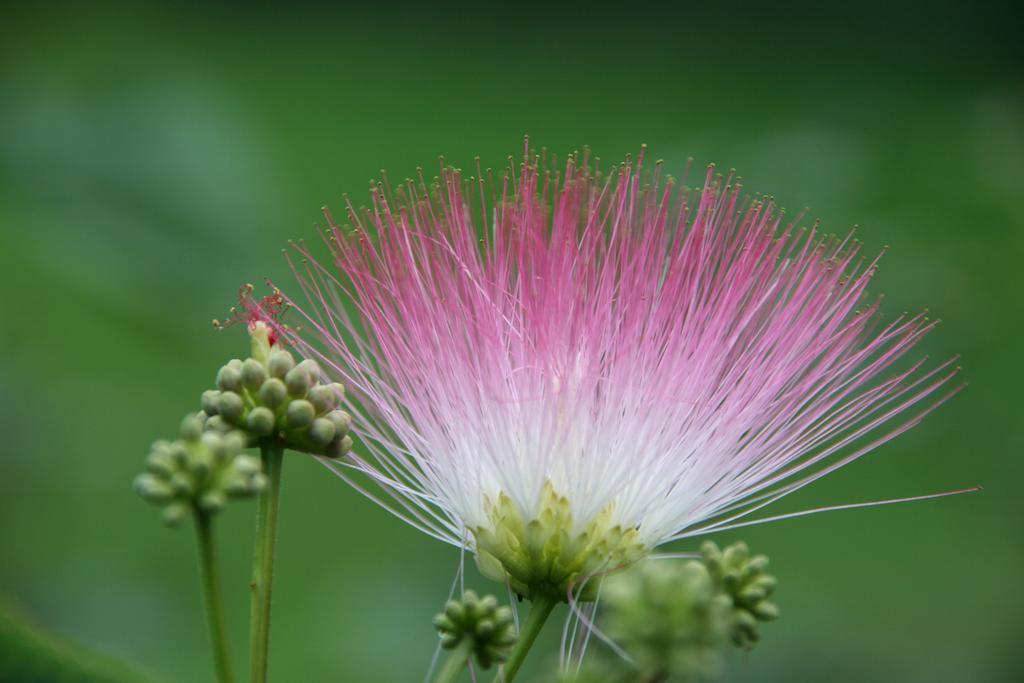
543, 360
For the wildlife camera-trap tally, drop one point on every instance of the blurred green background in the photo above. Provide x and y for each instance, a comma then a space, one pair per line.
154, 158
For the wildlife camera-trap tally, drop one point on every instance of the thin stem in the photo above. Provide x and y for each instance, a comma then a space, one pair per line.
271, 453
455, 663
539, 613
213, 597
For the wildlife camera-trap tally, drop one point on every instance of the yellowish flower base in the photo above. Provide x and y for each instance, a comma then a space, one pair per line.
544, 556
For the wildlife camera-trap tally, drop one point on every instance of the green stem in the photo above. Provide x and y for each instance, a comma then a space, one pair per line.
455, 663
272, 454
212, 596
539, 613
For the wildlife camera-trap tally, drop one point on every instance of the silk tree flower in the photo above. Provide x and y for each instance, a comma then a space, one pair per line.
562, 371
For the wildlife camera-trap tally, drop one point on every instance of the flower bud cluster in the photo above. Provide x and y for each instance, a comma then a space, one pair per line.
199, 471
489, 627
745, 580
674, 619
669, 618
269, 395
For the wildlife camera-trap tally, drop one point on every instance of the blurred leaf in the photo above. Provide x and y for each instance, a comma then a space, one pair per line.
28, 654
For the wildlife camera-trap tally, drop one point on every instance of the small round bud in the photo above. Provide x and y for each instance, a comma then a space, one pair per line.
260, 421
209, 401
234, 441
280, 363
211, 440
212, 501
310, 367
178, 453
237, 487
217, 424
162, 448
338, 447
765, 611
335, 448
160, 462
300, 414
273, 393
230, 406
323, 398
174, 513
153, 489
229, 378
247, 465
253, 374
322, 431
298, 381
342, 420
191, 428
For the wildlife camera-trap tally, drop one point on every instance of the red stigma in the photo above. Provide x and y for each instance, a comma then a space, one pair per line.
250, 310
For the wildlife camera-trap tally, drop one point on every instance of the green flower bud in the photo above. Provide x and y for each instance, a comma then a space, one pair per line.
230, 406
490, 628
229, 377
312, 370
338, 446
210, 401
300, 414
323, 398
246, 465
217, 424
322, 431
260, 421
162, 447
765, 611
748, 586
234, 441
177, 452
216, 450
253, 374
212, 501
160, 462
153, 489
342, 420
298, 381
273, 393
174, 513
191, 427
280, 363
